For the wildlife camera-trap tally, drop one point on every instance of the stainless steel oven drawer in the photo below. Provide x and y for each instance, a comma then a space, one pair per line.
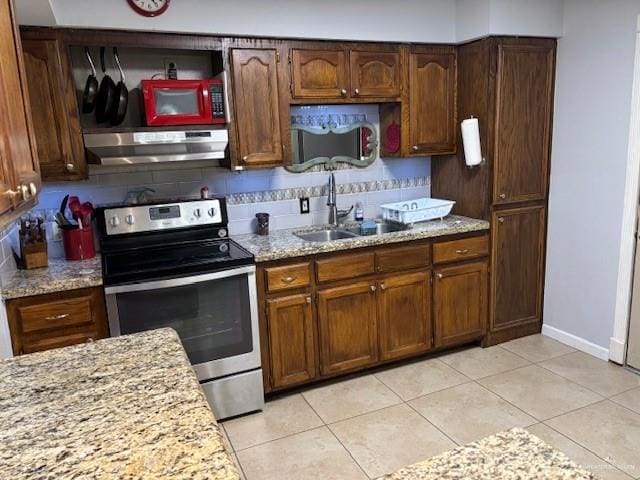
236, 394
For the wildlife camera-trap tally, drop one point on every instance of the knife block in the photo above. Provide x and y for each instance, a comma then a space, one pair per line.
34, 255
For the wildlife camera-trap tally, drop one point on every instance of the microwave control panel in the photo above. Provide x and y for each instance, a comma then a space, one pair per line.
216, 95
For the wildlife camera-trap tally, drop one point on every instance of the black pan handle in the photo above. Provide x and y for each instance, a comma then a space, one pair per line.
102, 63
90, 60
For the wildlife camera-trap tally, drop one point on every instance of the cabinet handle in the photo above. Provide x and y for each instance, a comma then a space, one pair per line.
90, 340
439, 275
245, 158
382, 286
343, 92
501, 219
70, 167
356, 92
503, 195
415, 148
308, 299
57, 317
462, 252
33, 189
372, 287
288, 279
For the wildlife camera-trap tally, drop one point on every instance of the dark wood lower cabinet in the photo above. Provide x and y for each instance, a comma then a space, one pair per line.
291, 340
460, 303
347, 327
404, 309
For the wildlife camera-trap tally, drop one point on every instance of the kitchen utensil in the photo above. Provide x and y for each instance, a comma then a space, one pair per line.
121, 94
86, 212
90, 87
63, 204
106, 100
75, 207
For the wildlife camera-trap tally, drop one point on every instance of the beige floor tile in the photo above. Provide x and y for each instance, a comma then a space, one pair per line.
481, 362
630, 399
577, 453
539, 392
470, 412
315, 454
386, 440
537, 348
348, 398
225, 437
237, 464
607, 429
281, 417
602, 377
419, 378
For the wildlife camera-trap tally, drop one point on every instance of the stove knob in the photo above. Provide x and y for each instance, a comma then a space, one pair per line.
114, 221
129, 219
222, 232
224, 248
197, 213
212, 212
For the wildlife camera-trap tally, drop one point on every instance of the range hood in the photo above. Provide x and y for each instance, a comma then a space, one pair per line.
146, 146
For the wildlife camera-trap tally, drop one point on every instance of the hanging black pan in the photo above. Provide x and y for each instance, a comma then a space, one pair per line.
121, 96
90, 87
106, 100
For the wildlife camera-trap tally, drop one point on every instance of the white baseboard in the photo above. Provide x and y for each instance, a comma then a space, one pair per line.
576, 342
616, 350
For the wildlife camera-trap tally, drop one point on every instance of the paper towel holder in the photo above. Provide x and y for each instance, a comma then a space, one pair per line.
482, 162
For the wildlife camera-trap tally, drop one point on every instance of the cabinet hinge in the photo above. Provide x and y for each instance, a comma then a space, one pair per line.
266, 312
277, 57
431, 279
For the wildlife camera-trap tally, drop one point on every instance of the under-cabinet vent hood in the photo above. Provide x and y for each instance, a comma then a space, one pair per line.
144, 146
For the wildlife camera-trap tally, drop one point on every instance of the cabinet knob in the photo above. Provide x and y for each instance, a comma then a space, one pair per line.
288, 279
503, 195
308, 299
372, 287
33, 189
462, 252
90, 340
343, 92
382, 286
245, 158
439, 275
70, 167
414, 148
501, 219
356, 92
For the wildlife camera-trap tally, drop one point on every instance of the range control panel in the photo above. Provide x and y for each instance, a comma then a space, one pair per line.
151, 218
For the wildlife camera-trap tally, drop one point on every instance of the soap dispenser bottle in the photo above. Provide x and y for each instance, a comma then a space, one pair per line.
359, 212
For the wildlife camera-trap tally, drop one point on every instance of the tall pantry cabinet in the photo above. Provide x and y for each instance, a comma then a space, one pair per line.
507, 83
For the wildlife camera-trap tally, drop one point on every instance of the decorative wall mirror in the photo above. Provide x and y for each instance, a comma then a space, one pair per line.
319, 142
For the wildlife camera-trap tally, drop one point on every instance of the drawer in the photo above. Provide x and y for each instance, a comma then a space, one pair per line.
287, 277
401, 258
72, 312
345, 266
461, 249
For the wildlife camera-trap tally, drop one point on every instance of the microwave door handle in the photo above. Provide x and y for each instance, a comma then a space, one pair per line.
178, 282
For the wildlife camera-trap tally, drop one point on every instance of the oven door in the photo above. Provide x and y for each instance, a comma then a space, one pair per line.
215, 315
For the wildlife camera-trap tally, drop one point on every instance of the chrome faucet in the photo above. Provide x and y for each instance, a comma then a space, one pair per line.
335, 215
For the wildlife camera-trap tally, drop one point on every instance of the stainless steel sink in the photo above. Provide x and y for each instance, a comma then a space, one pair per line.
381, 228
326, 235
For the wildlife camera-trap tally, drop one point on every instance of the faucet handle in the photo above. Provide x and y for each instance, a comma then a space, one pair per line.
344, 213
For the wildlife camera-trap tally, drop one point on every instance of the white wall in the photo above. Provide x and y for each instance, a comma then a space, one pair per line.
541, 18
588, 167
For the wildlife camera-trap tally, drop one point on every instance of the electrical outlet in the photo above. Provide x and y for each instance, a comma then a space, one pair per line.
304, 204
170, 69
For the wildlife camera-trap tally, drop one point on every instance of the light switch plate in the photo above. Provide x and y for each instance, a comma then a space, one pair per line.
304, 204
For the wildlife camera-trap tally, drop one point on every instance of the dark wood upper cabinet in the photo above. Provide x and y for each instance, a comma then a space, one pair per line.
518, 238
460, 303
19, 172
404, 306
523, 121
375, 74
347, 327
432, 101
257, 107
319, 73
291, 339
54, 110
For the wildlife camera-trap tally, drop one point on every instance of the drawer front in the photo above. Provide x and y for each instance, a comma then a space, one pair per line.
49, 343
345, 266
401, 258
71, 312
461, 249
287, 277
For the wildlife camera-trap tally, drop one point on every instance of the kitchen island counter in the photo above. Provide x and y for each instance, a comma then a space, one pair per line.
124, 407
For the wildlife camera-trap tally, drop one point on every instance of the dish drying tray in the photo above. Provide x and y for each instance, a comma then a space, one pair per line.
418, 210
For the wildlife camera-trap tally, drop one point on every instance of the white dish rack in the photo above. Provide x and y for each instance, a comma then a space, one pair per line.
418, 210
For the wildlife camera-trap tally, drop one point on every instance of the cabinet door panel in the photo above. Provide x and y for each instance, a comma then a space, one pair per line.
375, 74
432, 116
319, 73
55, 116
347, 321
255, 87
523, 122
405, 315
291, 339
517, 266
460, 301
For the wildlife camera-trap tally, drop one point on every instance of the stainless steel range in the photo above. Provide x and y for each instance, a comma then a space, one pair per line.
170, 264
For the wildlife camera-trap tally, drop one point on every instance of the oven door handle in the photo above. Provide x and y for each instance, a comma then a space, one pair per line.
177, 282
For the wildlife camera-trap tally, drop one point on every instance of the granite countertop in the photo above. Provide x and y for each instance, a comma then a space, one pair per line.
284, 244
125, 407
60, 275
514, 454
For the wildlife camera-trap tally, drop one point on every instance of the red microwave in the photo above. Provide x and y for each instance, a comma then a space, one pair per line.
183, 102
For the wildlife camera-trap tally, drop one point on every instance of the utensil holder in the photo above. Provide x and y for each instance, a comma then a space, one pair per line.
78, 243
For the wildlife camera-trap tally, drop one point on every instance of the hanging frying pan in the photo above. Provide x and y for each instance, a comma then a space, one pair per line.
121, 95
90, 87
106, 100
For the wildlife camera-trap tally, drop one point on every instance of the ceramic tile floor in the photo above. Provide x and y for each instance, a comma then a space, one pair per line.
368, 425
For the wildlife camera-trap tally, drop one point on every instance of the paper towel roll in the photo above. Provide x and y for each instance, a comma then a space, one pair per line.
471, 141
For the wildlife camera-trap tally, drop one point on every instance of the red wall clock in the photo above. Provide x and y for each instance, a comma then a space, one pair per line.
149, 8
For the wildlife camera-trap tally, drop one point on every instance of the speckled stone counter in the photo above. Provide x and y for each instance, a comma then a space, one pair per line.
514, 454
284, 244
60, 275
122, 408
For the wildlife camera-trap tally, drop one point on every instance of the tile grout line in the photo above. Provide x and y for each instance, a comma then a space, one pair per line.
434, 426
349, 452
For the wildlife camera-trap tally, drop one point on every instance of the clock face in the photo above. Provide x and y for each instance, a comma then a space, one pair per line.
149, 8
